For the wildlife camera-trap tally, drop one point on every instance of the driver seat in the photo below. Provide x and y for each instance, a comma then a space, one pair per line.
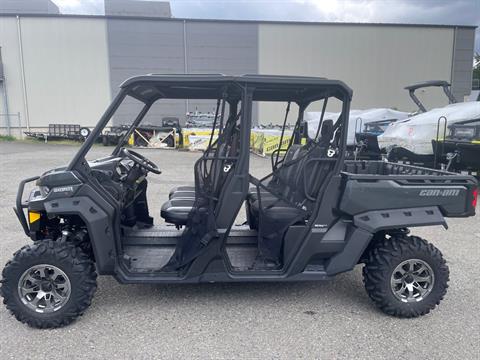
177, 209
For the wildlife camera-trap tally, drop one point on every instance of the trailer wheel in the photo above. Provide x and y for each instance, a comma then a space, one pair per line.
405, 276
85, 132
48, 284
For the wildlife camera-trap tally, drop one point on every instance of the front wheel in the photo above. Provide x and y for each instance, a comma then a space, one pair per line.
48, 284
405, 276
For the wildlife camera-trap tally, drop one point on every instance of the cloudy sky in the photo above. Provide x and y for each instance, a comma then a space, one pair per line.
451, 12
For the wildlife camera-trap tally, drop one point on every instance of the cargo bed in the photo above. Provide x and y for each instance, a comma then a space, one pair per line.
379, 185
378, 168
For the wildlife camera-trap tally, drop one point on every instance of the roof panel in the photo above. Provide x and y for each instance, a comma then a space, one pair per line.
211, 86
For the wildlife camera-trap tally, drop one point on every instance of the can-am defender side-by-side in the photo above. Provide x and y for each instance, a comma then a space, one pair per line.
314, 216
414, 140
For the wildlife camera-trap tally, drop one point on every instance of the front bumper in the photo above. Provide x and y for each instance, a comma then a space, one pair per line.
20, 205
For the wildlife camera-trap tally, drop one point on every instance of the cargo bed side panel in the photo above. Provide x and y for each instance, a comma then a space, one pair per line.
367, 195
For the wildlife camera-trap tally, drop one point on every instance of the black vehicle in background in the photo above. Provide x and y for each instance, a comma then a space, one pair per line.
314, 216
459, 150
147, 135
366, 142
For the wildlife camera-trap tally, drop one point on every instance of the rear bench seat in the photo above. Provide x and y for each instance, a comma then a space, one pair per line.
187, 191
289, 181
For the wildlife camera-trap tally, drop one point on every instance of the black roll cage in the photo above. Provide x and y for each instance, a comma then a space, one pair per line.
244, 89
150, 88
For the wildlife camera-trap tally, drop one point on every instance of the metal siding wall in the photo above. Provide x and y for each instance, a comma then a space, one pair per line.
12, 72
462, 62
73, 65
138, 47
375, 61
137, 8
66, 70
28, 7
228, 48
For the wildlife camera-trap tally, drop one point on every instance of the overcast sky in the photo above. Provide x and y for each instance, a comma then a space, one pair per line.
451, 12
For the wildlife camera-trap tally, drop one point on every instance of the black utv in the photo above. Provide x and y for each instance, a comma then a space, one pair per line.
314, 216
459, 150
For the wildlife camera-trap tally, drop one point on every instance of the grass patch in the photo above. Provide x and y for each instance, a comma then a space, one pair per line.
7, 138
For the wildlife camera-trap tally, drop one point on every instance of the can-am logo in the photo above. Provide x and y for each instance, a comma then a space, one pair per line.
440, 192
63, 189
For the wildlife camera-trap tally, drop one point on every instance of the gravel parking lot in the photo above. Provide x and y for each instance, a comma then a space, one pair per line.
329, 320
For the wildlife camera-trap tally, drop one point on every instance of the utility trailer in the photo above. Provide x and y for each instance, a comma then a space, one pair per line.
61, 132
314, 216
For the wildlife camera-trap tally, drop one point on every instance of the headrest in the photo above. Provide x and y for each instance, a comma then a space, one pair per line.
304, 129
327, 131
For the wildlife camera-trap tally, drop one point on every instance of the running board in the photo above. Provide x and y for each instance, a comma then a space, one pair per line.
168, 236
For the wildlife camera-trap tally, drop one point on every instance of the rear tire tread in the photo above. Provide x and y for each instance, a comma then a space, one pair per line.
384, 256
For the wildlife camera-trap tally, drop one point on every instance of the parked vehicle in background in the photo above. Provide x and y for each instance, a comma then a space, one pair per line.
411, 140
363, 128
168, 135
459, 150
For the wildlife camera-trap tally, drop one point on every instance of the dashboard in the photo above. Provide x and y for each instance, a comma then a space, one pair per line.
119, 176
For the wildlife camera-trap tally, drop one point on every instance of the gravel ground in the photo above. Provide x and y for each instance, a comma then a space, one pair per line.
330, 320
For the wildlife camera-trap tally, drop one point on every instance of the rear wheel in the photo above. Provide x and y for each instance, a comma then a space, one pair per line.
48, 284
405, 276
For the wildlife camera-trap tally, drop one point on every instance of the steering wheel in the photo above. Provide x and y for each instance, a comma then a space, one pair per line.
141, 160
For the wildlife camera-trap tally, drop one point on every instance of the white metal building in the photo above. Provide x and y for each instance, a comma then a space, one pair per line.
65, 69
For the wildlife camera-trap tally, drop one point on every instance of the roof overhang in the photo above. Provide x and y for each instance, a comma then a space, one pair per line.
300, 89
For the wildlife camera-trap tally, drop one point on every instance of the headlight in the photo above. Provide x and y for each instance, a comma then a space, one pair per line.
44, 190
463, 132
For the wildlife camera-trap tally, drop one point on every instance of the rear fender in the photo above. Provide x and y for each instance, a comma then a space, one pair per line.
374, 221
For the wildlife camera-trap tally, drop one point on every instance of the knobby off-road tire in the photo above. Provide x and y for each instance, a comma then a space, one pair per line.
59, 269
391, 271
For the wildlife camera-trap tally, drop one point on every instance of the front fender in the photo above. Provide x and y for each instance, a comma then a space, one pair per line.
98, 224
